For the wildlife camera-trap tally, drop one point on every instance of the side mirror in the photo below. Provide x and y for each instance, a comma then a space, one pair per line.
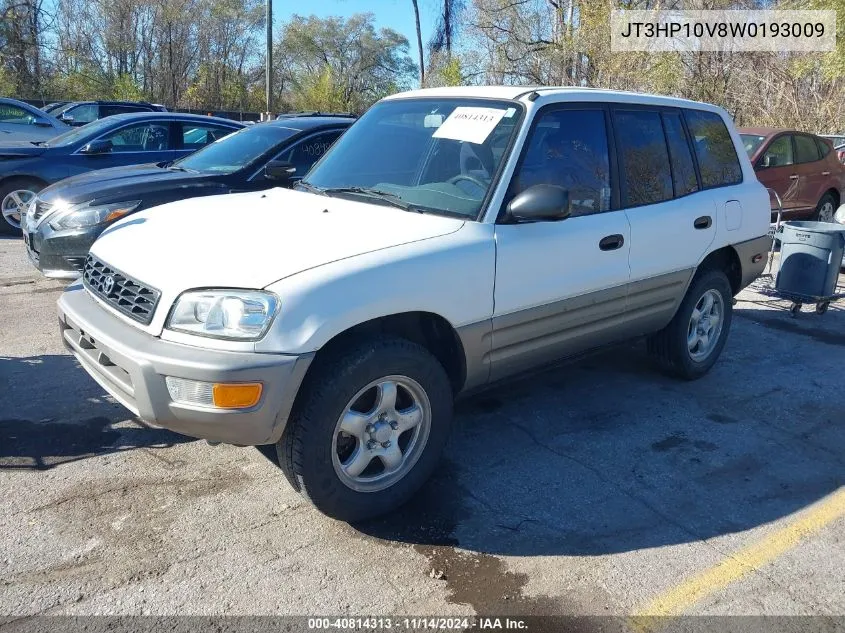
66, 118
766, 161
100, 146
540, 203
280, 170
41, 122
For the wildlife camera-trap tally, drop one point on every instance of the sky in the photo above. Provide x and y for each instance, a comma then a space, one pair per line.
395, 14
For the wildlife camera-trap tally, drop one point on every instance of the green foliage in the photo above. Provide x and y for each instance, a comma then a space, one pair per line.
124, 88
321, 92
451, 73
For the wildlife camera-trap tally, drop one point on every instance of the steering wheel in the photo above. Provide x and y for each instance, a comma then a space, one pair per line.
454, 180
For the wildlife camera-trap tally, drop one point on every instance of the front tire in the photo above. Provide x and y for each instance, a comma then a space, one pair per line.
368, 428
692, 342
826, 208
15, 196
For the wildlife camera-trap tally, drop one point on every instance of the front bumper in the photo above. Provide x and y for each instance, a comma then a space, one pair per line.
59, 254
131, 365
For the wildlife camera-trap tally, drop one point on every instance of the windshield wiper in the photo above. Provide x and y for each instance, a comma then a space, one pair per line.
310, 188
390, 198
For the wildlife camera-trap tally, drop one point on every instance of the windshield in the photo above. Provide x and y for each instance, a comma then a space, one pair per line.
237, 150
79, 133
751, 142
437, 155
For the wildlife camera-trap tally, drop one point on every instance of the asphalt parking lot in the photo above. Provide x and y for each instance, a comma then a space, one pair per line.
599, 487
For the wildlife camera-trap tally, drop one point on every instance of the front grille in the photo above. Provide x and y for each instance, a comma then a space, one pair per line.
41, 209
122, 292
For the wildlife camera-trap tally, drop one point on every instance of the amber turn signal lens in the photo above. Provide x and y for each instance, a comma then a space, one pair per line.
114, 215
236, 396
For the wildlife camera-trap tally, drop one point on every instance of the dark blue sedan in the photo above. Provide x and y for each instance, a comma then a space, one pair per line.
26, 167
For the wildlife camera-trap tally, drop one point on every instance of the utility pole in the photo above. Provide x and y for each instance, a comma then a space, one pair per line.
269, 57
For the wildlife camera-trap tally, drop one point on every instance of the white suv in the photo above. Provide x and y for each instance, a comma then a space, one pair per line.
451, 238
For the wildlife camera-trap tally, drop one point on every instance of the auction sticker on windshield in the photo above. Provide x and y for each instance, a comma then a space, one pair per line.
470, 124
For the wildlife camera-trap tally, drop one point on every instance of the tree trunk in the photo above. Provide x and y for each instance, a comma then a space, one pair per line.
419, 42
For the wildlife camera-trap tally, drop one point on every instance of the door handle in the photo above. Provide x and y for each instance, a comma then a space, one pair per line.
704, 222
825, 173
611, 242
794, 177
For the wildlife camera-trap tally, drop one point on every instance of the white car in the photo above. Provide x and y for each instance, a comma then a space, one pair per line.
453, 237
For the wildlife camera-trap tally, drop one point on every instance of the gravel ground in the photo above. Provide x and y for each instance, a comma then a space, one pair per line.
597, 487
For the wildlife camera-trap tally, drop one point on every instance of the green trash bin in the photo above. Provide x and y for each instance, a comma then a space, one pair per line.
810, 257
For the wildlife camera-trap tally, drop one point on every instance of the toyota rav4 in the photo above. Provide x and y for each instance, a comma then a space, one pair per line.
451, 238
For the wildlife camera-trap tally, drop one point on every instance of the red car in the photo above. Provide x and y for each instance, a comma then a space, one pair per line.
802, 168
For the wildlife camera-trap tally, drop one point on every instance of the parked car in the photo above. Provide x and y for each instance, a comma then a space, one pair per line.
835, 139
67, 217
20, 121
802, 168
52, 107
124, 139
82, 112
450, 238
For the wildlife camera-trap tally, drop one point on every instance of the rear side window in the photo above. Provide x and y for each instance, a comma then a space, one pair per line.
717, 159
683, 170
805, 149
824, 148
646, 177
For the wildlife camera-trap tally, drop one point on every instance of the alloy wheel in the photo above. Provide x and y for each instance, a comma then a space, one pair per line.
705, 325
381, 434
14, 206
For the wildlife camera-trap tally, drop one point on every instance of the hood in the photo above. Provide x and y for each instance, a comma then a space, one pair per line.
30, 133
118, 184
250, 240
22, 149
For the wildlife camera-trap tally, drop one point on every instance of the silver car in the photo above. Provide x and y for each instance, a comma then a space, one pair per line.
20, 121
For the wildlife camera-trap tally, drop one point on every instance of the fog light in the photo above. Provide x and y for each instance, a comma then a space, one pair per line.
217, 395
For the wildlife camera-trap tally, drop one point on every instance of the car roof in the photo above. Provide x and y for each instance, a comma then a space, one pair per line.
571, 93
179, 116
15, 102
770, 131
108, 102
305, 123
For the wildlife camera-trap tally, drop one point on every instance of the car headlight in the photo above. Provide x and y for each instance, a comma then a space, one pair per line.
82, 216
243, 315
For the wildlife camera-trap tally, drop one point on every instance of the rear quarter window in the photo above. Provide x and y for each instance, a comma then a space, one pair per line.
714, 148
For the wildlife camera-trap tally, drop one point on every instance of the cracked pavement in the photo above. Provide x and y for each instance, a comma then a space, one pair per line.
589, 488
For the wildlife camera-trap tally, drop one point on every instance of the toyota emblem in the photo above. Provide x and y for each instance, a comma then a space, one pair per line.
108, 285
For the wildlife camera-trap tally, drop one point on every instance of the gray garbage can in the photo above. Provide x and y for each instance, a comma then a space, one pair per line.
810, 257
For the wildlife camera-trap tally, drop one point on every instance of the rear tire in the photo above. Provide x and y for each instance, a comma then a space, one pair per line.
347, 391
690, 345
826, 208
13, 193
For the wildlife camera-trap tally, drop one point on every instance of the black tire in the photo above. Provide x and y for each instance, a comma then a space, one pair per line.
6, 188
826, 198
305, 449
668, 347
